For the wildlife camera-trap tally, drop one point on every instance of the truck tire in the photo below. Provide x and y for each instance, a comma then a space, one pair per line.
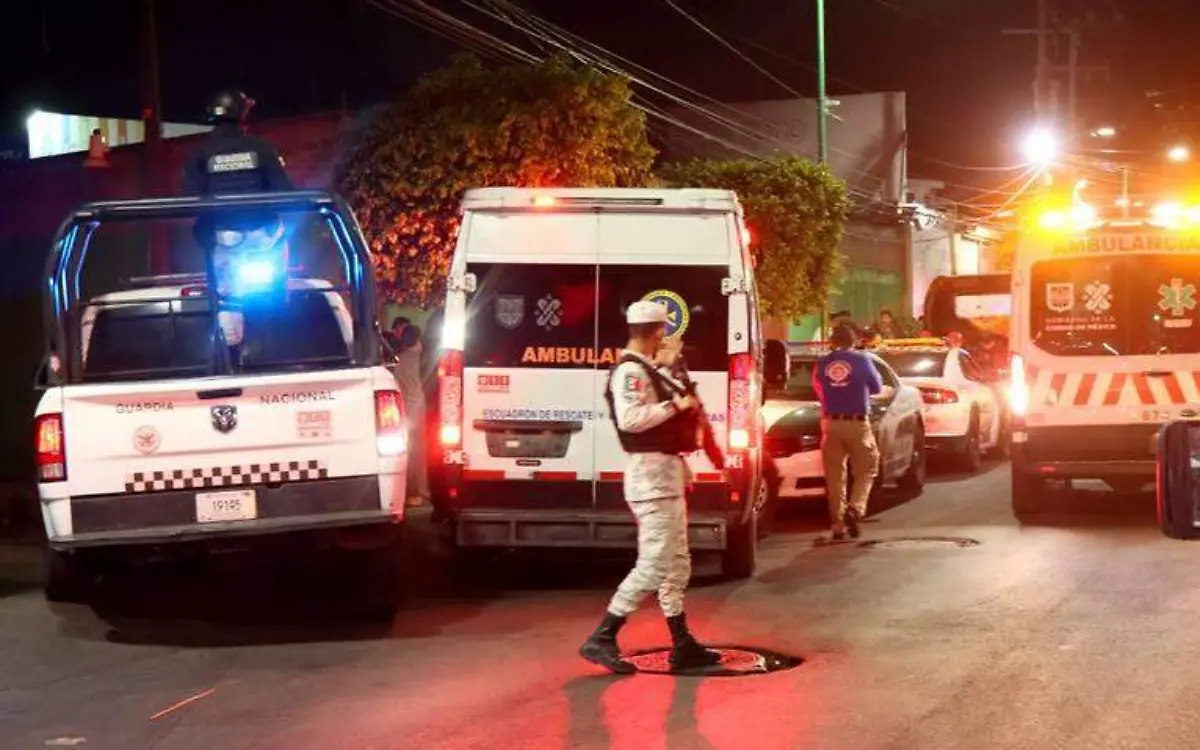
1028, 492
740, 557
69, 579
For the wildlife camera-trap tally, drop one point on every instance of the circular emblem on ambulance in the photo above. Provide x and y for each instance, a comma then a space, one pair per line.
146, 440
678, 316
837, 371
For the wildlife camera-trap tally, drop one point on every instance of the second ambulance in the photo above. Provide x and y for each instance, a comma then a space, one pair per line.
1106, 346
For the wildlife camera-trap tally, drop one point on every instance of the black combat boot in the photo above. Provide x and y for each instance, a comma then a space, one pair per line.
686, 653
601, 647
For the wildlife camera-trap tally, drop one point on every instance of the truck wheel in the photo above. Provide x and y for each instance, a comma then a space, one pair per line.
1028, 492
914, 479
740, 557
69, 579
970, 458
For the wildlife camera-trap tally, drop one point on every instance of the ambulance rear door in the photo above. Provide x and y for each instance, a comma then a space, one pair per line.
530, 359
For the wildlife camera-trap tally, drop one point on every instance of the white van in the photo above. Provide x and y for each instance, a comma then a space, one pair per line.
538, 289
1105, 343
148, 434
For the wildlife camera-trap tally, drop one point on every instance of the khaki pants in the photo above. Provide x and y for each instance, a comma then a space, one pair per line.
664, 563
853, 439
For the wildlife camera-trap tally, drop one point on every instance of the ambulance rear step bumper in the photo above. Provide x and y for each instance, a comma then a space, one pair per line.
1089, 469
593, 530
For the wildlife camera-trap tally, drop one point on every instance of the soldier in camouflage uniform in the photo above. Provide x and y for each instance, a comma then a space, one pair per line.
653, 416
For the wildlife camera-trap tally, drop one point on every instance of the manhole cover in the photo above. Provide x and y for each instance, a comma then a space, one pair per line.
736, 661
920, 542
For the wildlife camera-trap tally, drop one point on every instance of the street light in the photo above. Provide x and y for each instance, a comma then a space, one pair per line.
1040, 146
1179, 154
1107, 131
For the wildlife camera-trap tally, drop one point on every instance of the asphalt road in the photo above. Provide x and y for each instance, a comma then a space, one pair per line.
1080, 632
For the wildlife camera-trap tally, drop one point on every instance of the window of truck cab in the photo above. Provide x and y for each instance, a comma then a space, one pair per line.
133, 324
1122, 305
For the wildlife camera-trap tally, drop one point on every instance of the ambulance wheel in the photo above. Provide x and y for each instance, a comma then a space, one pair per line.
740, 557
1028, 492
766, 501
69, 580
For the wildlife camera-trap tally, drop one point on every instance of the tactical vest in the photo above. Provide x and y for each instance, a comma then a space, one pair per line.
675, 436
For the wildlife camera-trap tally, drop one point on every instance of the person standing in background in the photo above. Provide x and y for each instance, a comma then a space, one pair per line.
408, 376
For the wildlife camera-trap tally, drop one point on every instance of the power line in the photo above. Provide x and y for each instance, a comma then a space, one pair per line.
746, 58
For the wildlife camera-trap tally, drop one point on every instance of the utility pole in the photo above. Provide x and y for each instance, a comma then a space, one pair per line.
1041, 81
822, 133
952, 228
1073, 80
153, 166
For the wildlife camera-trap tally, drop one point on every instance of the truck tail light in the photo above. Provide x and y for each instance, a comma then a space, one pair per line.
450, 399
50, 448
740, 414
391, 434
1018, 387
938, 396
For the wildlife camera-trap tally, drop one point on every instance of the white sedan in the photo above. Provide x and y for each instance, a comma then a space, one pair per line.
962, 413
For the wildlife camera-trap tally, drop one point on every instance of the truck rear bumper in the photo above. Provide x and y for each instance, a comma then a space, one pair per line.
481, 527
166, 517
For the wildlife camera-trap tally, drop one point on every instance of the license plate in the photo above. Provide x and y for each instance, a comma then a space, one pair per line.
238, 505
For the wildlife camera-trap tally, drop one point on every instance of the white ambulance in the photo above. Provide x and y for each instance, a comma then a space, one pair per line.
1106, 346
534, 321
161, 423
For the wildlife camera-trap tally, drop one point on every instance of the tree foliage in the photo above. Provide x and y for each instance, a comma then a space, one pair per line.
467, 126
796, 211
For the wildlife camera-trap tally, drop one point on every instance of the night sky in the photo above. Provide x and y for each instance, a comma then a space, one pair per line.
969, 86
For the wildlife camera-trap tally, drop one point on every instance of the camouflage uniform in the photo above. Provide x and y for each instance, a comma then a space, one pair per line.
654, 489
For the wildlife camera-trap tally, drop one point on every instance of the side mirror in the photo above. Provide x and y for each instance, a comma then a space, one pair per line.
775, 363
1178, 449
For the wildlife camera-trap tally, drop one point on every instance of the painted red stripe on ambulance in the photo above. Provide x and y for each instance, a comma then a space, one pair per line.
1084, 394
1141, 384
1115, 386
1174, 389
555, 476
1057, 382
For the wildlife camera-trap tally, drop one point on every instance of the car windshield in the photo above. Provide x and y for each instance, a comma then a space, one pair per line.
1116, 305
799, 386
285, 303
915, 364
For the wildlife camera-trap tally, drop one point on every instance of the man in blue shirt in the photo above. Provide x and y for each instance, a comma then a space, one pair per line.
845, 380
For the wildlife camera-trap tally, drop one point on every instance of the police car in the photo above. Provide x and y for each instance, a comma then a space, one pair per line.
962, 412
792, 416
161, 422
534, 322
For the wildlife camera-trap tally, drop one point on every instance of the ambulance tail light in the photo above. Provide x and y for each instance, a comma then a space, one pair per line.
740, 413
391, 434
50, 448
1018, 388
450, 399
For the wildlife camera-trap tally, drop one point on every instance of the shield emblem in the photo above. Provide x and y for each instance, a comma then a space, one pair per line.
510, 311
224, 418
1060, 297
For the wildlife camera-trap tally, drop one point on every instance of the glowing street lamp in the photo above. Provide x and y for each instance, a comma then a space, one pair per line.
1040, 146
1107, 131
1179, 154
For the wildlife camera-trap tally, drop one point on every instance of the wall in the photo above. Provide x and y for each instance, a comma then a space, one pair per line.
867, 137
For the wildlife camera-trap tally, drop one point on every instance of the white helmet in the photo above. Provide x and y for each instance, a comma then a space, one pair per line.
645, 311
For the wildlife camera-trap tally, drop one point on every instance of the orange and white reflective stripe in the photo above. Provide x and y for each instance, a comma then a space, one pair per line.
1112, 388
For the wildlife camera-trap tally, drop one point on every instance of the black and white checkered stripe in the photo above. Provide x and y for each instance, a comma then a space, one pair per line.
225, 476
